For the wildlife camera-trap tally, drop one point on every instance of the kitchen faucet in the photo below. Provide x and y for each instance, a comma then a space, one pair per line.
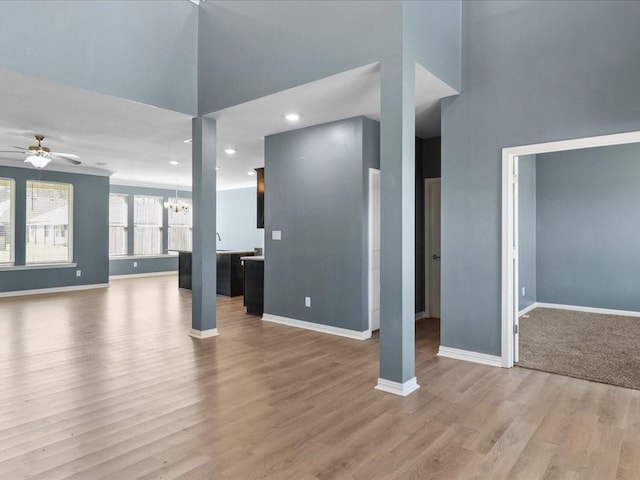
219, 237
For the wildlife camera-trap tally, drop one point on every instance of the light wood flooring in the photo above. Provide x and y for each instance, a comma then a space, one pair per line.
106, 384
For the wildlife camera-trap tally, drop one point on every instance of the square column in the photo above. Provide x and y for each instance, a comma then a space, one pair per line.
203, 256
397, 227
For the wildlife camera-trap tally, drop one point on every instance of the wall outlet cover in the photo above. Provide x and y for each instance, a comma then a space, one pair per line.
276, 235
135, 264
78, 273
307, 301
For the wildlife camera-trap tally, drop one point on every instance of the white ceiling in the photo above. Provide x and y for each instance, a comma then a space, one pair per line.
136, 142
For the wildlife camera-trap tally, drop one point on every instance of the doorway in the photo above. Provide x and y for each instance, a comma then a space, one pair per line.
432, 247
511, 245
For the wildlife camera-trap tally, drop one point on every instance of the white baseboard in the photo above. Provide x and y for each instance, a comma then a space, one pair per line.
526, 310
39, 291
316, 327
420, 315
138, 275
578, 308
396, 388
468, 356
202, 334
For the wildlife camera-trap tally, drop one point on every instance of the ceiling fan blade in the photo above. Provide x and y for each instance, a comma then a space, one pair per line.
20, 148
12, 151
66, 158
70, 156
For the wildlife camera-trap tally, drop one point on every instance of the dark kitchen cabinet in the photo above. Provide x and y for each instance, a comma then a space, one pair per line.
260, 199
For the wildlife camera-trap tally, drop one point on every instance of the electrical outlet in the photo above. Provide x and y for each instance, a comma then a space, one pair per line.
307, 301
135, 264
276, 235
78, 273
524, 289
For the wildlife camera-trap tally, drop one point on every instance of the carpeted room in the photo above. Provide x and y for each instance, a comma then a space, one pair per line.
579, 263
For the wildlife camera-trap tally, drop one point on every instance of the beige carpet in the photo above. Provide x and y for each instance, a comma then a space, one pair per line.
602, 348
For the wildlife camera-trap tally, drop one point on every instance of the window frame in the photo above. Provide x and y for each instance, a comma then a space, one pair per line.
70, 207
12, 220
160, 226
125, 226
189, 226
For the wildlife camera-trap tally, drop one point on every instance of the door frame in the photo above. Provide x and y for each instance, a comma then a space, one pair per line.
428, 182
509, 248
372, 172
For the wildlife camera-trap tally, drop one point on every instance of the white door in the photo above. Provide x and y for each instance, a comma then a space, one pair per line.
374, 249
432, 240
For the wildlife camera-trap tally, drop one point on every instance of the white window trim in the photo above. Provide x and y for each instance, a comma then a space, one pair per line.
38, 266
12, 219
70, 257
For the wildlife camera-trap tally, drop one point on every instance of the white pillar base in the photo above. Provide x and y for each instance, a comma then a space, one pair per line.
202, 334
401, 389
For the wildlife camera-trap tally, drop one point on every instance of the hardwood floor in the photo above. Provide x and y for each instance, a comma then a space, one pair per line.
106, 384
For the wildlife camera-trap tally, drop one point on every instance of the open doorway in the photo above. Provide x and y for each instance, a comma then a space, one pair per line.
569, 261
432, 247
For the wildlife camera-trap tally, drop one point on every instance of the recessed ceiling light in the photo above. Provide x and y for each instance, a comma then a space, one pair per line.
292, 117
173, 162
251, 173
188, 141
229, 151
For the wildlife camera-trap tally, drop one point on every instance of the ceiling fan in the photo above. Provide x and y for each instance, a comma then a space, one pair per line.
40, 156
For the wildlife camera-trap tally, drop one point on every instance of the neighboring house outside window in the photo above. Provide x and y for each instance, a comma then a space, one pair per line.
49, 222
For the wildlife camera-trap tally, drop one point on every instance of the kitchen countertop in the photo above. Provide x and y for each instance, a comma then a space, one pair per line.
223, 252
255, 258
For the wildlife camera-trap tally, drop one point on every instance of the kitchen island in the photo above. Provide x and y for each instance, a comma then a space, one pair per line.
229, 275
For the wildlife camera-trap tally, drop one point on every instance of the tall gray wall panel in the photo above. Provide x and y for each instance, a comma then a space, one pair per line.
532, 72
315, 195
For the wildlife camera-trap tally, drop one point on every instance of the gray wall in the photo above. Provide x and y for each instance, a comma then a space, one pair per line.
436, 23
236, 219
142, 51
247, 48
527, 230
588, 227
125, 266
316, 194
90, 232
532, 72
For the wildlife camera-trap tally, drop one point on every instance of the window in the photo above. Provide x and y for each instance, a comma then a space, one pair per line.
6, 220
49, 222
147, 229
180, 226
118, 213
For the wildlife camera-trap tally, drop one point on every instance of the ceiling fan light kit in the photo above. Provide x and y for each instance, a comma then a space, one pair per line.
38, 161
40, 156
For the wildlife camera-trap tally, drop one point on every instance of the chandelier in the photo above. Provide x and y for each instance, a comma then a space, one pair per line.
177, 205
